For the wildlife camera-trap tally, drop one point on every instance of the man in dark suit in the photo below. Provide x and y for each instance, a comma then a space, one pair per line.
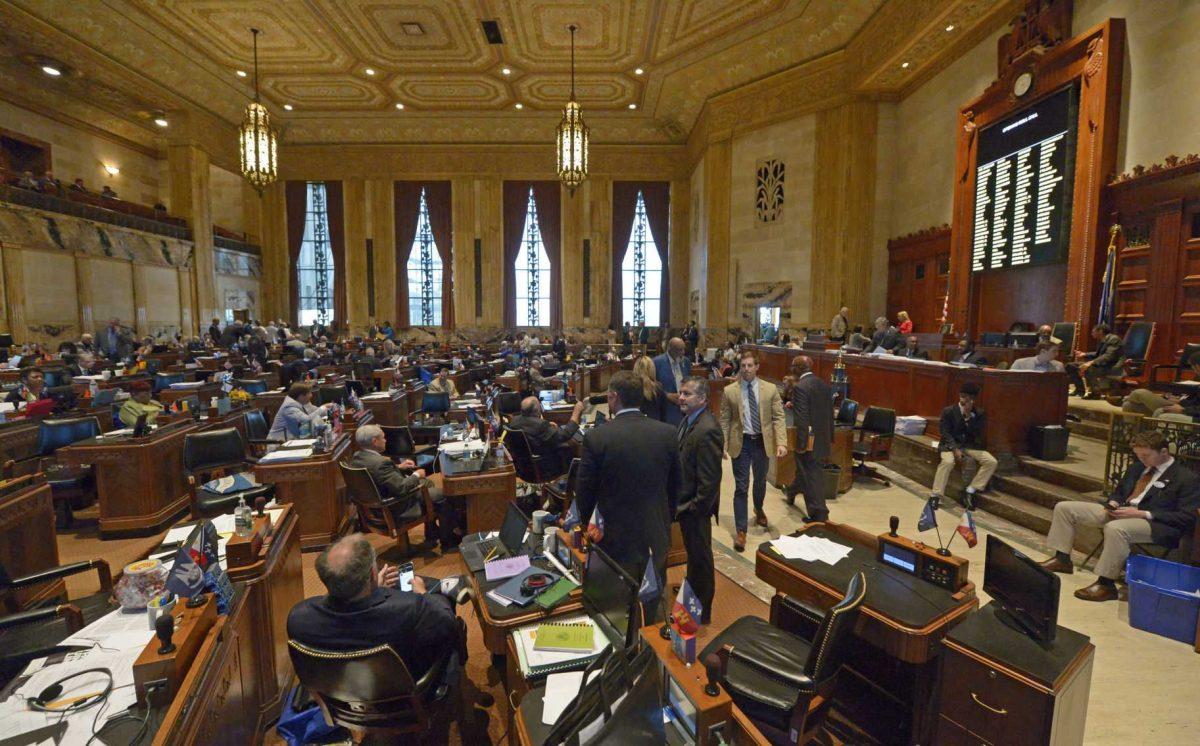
887, 337
912, 350
962, 428
701, 448
214, 331
670, 368
965, 354
630, 472
812, 411
115, 341
1156, 501
545, 437
362, 608
1092, 367
560, 348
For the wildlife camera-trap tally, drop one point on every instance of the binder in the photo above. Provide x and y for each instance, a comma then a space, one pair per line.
535, 664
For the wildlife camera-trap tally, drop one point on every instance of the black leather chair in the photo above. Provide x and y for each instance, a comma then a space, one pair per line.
534, 469
252, 386
213, 454
164, 380
257, 431
400, 445
328, 394
1179, 368
874, 442
847, 414
563, 490
508, 403
384, 517
783, 682
365, 373
372, 692
73, 487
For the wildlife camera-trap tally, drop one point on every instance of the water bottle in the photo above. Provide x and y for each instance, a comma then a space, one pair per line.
243, 518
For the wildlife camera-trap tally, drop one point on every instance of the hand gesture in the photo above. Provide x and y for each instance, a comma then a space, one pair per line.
389, 576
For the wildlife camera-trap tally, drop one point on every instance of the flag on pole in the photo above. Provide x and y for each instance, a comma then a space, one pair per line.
687, 611
928, 517
1108, 287
966, 527
597, 520
572, 520
649, 590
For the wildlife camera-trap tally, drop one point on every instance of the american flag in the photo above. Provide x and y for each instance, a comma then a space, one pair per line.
966, 527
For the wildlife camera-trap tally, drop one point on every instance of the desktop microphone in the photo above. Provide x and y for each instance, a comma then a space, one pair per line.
894, 523
164, 628
712, 670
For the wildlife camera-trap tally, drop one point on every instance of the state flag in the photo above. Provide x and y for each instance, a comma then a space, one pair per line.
966, 527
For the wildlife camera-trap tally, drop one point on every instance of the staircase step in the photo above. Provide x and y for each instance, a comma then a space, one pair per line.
1037, 491
1049, 473
1089, 429
1021, 512
1096, 414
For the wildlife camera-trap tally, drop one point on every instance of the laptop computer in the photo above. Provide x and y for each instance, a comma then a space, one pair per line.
509, 543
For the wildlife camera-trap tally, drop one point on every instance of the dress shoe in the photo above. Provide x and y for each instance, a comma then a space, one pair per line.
1054, 564
1097, 592
739, 544
760, 518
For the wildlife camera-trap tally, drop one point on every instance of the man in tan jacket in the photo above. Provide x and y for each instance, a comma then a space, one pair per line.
753, 422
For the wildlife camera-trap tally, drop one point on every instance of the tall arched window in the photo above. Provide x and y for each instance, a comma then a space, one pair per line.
532, 272
315, 265
641, 272
424, 274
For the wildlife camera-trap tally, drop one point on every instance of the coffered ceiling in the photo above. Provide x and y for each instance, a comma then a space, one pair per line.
646, 68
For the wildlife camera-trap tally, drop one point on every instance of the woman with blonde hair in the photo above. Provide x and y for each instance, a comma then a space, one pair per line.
906, 325
654, 400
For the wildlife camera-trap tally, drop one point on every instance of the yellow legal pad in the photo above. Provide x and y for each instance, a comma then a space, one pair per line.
564, 638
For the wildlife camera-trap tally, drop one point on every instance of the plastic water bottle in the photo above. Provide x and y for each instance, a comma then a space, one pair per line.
243, 518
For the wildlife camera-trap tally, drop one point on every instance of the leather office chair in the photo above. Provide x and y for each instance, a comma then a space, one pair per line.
371, 691
164, 380
782, 681
508, 403
434, 406
257, 431
365, 372
538, 470
72, 487
252, 386
213, 454
847, 414
1177, 370
379, 516
1135, 347
400, 445
327, 394
874, 442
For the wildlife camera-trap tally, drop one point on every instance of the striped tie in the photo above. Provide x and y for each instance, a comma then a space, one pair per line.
752, 404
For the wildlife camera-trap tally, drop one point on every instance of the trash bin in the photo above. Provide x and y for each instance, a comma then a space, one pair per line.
832, 475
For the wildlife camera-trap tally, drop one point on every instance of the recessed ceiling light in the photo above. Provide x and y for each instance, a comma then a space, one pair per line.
369, 71
399, 106
111, 170
518, 106
633, 106
950, 27
638, 71
904, 65
506, 71
51, 70
161, 121
287, 107
241, 73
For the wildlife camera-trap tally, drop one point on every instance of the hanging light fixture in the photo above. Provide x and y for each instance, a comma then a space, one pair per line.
257, 138
572, 136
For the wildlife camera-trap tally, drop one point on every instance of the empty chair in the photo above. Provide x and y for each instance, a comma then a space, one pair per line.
257, 430
379, 516
213, 454
847, 414
562, 491
780, 680
874, 442
434, 405
508, 403
73, 487
252, 386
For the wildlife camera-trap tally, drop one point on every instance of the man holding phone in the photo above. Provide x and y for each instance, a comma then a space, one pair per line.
1156, 501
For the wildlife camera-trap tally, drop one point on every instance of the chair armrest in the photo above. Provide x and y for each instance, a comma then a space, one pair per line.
1156, 368
794, 615
69, 612
62, 571
802, 683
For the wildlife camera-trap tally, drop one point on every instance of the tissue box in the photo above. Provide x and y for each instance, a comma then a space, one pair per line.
911, 425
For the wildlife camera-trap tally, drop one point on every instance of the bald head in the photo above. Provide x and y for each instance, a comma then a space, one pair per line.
802, 364
531, 406
347, 568
676, 347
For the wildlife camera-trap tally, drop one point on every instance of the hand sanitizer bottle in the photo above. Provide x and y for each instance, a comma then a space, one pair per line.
243, 518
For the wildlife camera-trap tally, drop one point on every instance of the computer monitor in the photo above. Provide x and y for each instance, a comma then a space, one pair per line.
610, 595
63, 396
1024, 339
1026, 592
991, 339
435, 402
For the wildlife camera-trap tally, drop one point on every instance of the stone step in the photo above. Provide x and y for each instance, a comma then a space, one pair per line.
1037, 491
1052, 474
1089, 414
1021, 512
1089, 429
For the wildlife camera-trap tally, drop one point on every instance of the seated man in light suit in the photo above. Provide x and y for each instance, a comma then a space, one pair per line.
1156, 501
671, 368
297, 415
443, 384
1044, 359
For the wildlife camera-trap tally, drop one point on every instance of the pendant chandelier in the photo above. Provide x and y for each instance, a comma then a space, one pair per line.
256, 138
572, 136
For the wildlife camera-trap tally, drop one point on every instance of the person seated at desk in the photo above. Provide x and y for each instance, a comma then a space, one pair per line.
857, 341
31, 388
297, 416
545, 437
1106, 361
1167, 407
139, 403
1045, 333
362, 608
962, 430
368, 356
1156, 501
886, 339
1044, 359
966, 354
443, 384
912, 350
539, 382
86, 343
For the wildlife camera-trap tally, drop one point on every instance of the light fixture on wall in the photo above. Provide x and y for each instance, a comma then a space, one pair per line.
111, 170
257, 138
572, 136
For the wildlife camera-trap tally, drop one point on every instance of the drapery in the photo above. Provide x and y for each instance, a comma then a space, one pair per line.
296, 206
547, 194
335, 206
657, 195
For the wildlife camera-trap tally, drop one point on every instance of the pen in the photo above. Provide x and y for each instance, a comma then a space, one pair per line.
489, 556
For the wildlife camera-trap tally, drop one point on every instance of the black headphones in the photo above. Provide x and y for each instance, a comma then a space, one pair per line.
536, 583
42, 702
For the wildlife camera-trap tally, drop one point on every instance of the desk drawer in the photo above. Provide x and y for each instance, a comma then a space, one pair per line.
992, 704
950, 733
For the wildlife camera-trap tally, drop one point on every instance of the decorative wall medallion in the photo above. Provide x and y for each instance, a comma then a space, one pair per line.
768, 200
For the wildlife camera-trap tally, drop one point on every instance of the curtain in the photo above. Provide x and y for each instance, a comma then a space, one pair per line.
296, 205
407, 202
549, 208
438, 199
515, 198
657, 195
337, 245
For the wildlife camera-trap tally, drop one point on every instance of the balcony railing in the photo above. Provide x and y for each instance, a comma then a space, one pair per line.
91, 207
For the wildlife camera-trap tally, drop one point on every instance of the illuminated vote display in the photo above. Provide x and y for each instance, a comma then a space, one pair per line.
1023, 185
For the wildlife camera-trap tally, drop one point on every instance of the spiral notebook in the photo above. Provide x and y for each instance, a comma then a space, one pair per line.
537, 663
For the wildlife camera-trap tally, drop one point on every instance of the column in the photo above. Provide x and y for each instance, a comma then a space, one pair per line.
489, 208
355, 200
275, 280
382, 230
463, 199
599, 222
191, 199
570, 269
140, 321
14, 293
87, 320
717, 182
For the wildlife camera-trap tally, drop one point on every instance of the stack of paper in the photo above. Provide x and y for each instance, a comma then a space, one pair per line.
810, 548
561, 690
537, 662
286, 454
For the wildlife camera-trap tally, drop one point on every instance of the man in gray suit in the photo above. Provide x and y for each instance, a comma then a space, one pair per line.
701, 447
812, 411
115, 341
297, 415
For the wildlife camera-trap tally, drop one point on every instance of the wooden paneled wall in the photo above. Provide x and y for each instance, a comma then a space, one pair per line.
918, 272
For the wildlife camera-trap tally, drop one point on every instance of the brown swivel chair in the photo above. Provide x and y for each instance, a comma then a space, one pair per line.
874, 442
534, 469
379, 516
371, 691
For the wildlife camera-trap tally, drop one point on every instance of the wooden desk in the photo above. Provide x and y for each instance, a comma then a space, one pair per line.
487, 493
18, 439
203, 393
389, 410
28, 541
839, 455
901, 622
269, 402
315, 488
139, 481
383, 378
1015, 401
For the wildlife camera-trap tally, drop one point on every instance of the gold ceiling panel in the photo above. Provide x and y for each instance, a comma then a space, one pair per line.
687, 24
593, 91
610, 36
328, 92
435, 91
385, 34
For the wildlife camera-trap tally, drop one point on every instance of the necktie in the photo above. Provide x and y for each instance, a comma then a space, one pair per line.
682, 429
1142, 483
752, 404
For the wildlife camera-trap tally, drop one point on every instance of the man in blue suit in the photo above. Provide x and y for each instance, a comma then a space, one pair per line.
670, 368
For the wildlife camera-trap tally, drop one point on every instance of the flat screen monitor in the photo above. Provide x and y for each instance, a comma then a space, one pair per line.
1026, 592
1024, 339
63, 396
611, 595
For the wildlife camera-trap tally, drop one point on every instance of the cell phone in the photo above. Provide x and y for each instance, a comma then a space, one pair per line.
406, 576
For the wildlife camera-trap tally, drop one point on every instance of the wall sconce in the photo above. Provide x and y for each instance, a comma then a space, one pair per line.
111, 170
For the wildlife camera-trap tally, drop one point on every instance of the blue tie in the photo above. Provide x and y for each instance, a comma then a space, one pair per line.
752, 403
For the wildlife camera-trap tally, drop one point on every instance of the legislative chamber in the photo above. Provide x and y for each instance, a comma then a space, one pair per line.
603, 372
